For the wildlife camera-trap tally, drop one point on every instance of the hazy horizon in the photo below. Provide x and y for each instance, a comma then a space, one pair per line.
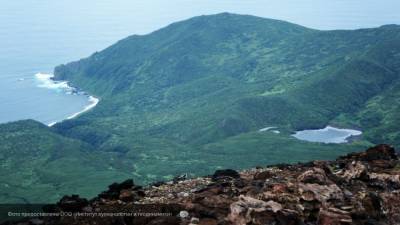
36, 36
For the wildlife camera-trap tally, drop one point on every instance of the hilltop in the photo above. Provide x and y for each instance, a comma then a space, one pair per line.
192, 97
213, 77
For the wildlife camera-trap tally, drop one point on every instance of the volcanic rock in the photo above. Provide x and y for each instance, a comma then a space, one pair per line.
360, 188
225, 173
72, 203
315, 175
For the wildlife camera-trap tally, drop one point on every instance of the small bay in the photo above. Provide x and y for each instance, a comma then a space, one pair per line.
36, 36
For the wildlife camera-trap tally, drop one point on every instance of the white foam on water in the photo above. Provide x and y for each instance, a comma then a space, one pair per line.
46, 81
93, 102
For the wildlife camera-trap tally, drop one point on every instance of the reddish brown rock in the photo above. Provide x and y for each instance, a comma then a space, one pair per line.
249, 210
391, 205
321, 193
379, 152
360, 188
228, 173
355, 170
126, 195
280, 188
384, 152
288, 217
208, 221
314, 176
263, 175
389, 180
333, 216
72, 203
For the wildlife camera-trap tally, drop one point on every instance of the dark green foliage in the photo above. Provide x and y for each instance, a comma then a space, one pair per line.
190, 98
212, 77
38, 165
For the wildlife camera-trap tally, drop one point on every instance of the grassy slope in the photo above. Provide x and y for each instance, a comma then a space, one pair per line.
209, 78
38, 165
191, 97
379, 116
41, 166
211, 81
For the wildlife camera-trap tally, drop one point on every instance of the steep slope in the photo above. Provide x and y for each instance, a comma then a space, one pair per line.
212, 77
379, 115
38, 165
191, 97
197, 86
162, 80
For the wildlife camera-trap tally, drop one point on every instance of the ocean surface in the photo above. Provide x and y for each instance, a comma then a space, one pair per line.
36, 36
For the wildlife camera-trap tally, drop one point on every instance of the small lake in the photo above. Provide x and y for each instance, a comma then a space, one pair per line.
327, 135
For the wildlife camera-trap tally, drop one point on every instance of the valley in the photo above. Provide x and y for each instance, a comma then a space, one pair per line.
192, 97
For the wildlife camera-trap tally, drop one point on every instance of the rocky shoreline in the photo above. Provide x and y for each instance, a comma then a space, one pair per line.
360, 188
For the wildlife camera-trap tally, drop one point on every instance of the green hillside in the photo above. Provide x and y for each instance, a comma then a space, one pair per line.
38, 165
192, 96
212, 77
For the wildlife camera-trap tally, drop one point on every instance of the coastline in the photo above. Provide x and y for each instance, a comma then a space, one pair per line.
48, 81
93, 102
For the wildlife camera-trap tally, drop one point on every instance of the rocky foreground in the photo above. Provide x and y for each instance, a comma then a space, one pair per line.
360, 188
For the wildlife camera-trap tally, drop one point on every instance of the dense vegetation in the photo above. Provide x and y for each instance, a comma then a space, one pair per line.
191, 97
38, 165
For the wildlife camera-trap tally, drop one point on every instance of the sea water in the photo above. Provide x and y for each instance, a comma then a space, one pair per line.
36, 36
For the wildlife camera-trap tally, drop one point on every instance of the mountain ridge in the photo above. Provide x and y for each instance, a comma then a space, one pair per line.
196, 95
165, 76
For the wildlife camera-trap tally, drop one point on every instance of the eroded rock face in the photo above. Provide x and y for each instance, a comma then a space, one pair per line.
321, 193
333, 216
314, 176
72, 203
380, 156
360, 188
228, 173
355, 170
126, 191
253, 211
263, 175
380, 152
391, 206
